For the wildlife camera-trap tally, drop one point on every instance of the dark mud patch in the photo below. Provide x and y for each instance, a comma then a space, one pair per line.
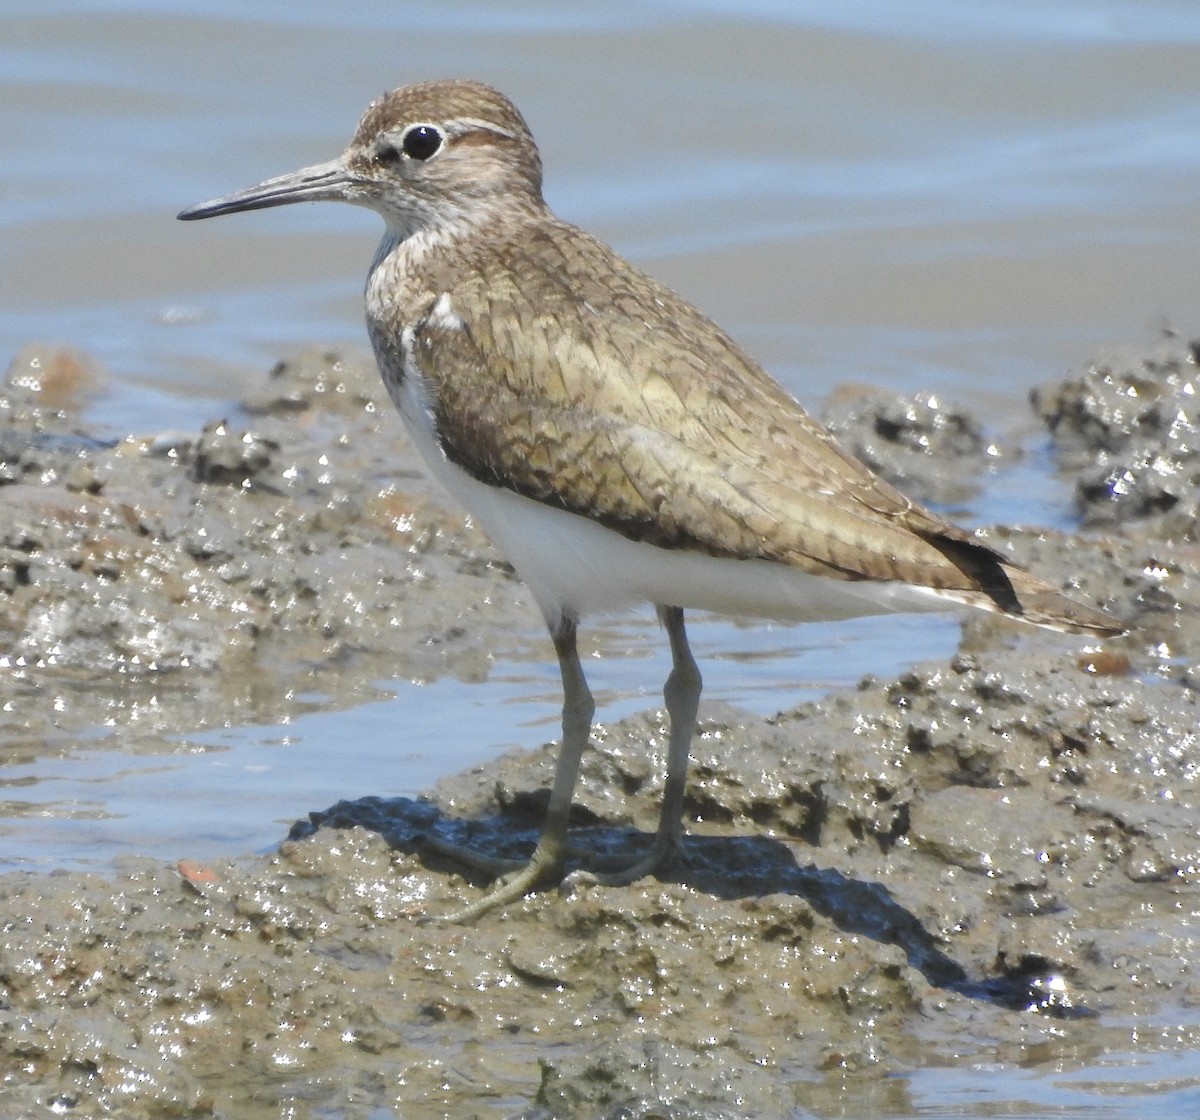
993, 859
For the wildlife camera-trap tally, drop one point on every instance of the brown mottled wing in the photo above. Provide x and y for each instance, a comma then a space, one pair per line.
593, 388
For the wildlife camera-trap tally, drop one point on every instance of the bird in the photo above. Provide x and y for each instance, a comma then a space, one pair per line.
615, 444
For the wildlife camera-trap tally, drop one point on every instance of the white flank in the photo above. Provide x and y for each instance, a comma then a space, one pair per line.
578, 567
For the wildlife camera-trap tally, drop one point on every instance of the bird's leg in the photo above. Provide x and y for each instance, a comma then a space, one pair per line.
550, 855
682, 696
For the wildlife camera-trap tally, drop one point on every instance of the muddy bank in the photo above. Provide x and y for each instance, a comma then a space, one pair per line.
993, 859
226, 572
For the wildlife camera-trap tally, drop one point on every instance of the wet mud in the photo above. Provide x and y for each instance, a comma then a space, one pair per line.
990, 859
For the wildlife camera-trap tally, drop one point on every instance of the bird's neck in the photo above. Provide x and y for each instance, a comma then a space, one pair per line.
415, 260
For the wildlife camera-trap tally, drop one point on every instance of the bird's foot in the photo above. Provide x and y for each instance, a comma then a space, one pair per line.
493, 866
620, 871
514, 878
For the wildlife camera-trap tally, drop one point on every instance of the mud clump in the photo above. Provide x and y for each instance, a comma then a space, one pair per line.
1129, 424
913, 442
992, 859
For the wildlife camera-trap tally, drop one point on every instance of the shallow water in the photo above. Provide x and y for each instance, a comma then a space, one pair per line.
239, 788
957, 197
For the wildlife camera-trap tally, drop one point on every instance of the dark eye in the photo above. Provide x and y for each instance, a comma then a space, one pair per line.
421, 141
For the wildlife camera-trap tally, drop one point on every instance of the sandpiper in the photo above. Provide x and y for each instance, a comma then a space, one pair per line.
614, 443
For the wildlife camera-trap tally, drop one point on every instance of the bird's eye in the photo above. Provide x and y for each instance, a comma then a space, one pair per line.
422, 141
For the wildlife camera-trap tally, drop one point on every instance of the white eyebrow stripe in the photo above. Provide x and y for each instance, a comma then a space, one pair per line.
460, 125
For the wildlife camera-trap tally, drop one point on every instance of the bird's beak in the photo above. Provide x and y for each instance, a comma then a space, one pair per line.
323, 182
